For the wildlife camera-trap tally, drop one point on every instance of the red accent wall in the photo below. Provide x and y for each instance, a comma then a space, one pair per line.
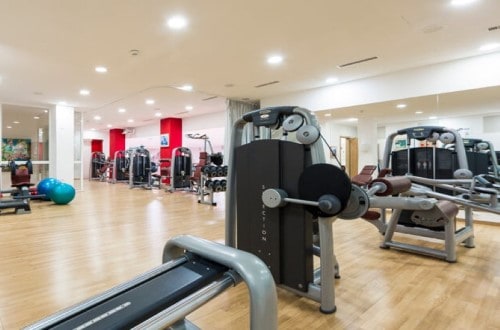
96, 145
172, 127
116, 141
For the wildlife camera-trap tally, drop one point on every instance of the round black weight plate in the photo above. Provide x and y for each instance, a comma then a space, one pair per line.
321, 179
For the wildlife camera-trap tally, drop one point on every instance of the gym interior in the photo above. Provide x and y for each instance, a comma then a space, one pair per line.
338, 158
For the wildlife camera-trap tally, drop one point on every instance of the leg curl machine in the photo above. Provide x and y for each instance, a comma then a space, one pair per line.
193, 272
280, 195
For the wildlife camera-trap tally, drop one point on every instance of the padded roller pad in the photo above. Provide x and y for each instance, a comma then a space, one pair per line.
395, 185
324, 179
438, 216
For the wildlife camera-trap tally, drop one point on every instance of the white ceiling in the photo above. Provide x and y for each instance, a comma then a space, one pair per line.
49, 48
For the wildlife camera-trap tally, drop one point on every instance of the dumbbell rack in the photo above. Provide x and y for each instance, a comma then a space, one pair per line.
207, 189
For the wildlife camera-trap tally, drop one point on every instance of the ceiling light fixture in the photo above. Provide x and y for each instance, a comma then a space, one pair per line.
419, 112
459, 3
101, 69
97, 117
188, 107
488, 47
352, 119
130, 121
109, 125
433, 117
150, 102
186, 88
331, 80
401, 106
16, 122
275, 59
328, 114
84, 92
36, 117
122, 110
158, 114
9, 126
177, 22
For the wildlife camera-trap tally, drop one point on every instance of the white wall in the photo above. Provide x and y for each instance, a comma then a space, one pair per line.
147, 136
332, 132
213, 125
469, 73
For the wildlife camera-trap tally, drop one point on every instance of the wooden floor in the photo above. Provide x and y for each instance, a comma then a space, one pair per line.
59, 255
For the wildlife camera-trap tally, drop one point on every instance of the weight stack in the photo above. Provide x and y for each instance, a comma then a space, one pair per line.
281, 237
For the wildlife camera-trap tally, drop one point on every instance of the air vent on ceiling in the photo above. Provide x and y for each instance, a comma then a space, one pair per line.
267, 84
210, 98
181, 113
493, 28
357, 62
128, 131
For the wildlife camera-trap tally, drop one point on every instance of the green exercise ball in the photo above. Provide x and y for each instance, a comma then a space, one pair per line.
62, 193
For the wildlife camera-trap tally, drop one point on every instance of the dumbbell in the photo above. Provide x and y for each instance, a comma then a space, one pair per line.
212, 171
224, 170
217, 186
223, 184
328, 204
220, 171
209, 184
205, 169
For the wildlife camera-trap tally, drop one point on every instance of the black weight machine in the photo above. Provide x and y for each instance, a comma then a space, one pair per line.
141, 168
100, 166
281, 196
193, 272
481, 156
180, 169
121, 166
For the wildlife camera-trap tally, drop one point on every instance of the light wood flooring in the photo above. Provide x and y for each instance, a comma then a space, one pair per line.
59, 255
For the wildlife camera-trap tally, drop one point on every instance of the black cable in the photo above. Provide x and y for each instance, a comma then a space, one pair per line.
331, 152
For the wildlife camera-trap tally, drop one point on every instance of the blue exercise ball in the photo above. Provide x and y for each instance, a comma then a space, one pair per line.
62, 193
45, 186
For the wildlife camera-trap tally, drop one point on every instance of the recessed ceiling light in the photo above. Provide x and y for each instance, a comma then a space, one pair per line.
130, 121
189, 107
433, 117
122, 110
109, 125
488, 47
177, 22
419, 112
84, 92
331, 80
275, 59
186, 88
461, 2
150, 101
16, 122
352, 119
9, 126
97, 117
101, 69
401, 106
36, 117
46, 111
328, 114
158, 114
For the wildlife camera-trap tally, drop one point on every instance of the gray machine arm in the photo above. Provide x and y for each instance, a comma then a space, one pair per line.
260, 282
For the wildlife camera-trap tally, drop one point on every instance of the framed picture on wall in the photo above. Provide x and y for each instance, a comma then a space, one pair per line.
164, 140
16, 149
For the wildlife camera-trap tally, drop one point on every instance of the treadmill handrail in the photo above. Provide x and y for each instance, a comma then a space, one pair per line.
259, 280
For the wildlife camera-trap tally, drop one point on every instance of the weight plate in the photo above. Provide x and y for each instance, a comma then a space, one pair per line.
322, 179
357, 205
293, 123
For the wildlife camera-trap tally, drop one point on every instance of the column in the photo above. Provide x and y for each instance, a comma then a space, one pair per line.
367, 142
61, 143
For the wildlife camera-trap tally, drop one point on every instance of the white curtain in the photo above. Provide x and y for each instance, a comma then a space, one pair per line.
234, 111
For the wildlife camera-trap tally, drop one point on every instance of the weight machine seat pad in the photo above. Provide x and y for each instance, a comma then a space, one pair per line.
365, 176
395, 185
22, 184
449, 209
